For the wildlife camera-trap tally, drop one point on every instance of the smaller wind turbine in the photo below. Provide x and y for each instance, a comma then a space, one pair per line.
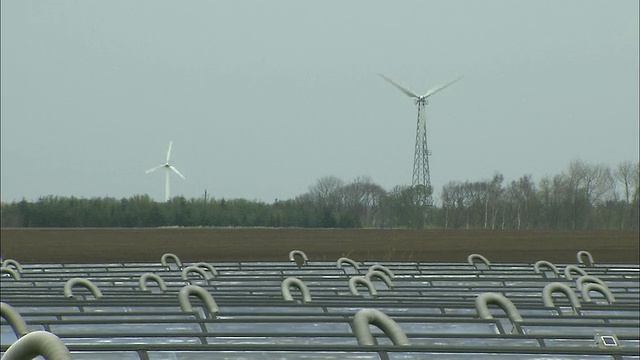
168, 167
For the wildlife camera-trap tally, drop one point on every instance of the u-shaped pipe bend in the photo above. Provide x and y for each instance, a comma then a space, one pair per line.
343, 260
364, 317
361, 280
144, 278
550, 288
71, 283
14, 319
204, 295
473, 257
589, 279
572, 268
384, 269
541, 263
13, 273
599, 288
292, 281
580, 254
293, 253
380, 275
174, 257
196, 269
482, 308
13, 262
212, 271
38, 343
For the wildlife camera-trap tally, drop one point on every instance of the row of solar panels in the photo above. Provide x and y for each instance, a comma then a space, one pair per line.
432, 304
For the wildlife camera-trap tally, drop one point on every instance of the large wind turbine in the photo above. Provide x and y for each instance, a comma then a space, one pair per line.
168, 168
421, 174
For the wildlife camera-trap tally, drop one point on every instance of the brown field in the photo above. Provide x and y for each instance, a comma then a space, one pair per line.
251, 244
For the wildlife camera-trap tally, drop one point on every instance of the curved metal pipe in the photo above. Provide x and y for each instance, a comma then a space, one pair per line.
572, 268
380, 275
14, 274
293, 253
382, 268
541, 263
355, 280
589, 279
582, 253
599, 288
483, 300
71, 283
165, 257
204, 295
348, 261
364, 317
14, 319
549, 289
471, 260
196, 269
292, 281
144, 278
13, 262
213, 272
38, 343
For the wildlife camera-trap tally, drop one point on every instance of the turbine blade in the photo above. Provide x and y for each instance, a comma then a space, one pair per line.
169, 151
439, 88
400, 87
154, 169
176, 171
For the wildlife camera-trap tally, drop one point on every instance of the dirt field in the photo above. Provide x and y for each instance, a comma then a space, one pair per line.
214, 244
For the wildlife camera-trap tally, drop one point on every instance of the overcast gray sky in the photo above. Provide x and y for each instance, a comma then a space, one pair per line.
262, 98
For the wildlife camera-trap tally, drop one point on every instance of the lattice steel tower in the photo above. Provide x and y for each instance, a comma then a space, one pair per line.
421, 175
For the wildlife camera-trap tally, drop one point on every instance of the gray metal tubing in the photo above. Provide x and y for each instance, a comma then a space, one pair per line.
38, 343
165, 257
13, 262
482, 308
209, 267
380, 275
354, 281
471, 259
71, 283
599, 288
151, 276
204, 295
382, 268
196, 269
292, 281
364, 317
589, 279
549, 289
14, 274
582, 253
539, 264
348, 261
14, 318
572, 268
293, 253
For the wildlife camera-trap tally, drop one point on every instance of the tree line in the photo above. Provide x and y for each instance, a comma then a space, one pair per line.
584, 196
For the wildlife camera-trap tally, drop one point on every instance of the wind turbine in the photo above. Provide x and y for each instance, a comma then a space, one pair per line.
168, 167
421, 175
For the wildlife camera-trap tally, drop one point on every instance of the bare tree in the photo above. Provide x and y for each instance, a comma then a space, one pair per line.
362, 199
326, 191
624, 173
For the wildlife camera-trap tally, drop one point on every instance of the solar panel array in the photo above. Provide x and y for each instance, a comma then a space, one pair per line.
238, 310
